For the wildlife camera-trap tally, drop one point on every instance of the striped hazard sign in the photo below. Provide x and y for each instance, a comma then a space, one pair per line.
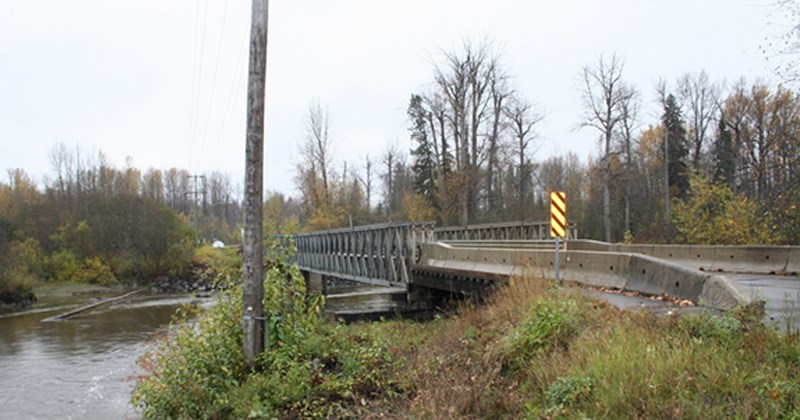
558, 214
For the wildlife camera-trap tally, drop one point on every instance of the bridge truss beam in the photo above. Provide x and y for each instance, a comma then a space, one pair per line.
530, 231
379, 254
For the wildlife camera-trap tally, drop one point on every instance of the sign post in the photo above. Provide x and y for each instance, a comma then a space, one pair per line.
558, 224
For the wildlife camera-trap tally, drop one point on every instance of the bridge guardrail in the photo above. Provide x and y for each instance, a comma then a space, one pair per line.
507, 244
501, 231
378, 254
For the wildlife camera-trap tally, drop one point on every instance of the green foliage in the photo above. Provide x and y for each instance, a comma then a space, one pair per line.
678, 149
549, 325
424, 166
724, 328
786, 215
567, 391
223, 266
277, 217
95, 271
723, 154
712, 214
190, 368
64, 266
781, 397
116, 237
139, 238
309, 369
20, 265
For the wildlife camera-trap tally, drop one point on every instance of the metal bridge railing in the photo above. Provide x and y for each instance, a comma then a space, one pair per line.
379, 254
531, 231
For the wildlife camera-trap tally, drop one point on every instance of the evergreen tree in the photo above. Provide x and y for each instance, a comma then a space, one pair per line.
424, 164
672, 119
723, 154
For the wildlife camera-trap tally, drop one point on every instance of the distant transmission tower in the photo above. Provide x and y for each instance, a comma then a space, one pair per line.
196, 191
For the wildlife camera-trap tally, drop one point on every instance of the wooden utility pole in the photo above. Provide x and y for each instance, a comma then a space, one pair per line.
253, 235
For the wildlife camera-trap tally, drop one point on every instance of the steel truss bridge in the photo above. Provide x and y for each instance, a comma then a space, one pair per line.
417, 256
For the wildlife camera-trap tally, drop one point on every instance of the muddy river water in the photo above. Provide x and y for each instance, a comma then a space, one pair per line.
79, 368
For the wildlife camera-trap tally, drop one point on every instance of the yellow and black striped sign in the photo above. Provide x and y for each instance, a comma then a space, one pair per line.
558, 214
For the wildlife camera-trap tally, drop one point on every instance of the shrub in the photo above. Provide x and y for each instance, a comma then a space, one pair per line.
550, 324
20, 265
567, 391
727, 218
309, 369
189, 369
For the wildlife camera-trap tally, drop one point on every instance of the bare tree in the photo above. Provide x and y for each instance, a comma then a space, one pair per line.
366, 181
153, 185
522, 117
317, 160
390, 158
499, 93
661, 90
701, 99
463, 83
602, 95
61, 162
782, 49
629, 113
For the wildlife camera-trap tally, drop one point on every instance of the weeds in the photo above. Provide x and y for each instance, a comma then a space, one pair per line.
312, 369
566, 392
531, 351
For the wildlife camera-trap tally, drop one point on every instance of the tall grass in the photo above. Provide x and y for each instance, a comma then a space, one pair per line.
532, 351
539, 352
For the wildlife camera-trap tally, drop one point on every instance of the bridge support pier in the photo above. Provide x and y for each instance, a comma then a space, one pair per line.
419, 299
314, 281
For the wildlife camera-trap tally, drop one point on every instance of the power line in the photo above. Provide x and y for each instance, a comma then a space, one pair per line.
204, 133
227, 120
198, 83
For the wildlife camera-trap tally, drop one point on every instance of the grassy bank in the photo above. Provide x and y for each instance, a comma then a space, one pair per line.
536, 352
532, 351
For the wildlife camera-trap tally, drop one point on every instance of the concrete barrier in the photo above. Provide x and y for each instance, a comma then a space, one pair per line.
722, 293
599, 269
793, 264
709, 258
751, 259
617, 270
654, 276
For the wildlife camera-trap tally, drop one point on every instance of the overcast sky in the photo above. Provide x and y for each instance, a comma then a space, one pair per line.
164, 81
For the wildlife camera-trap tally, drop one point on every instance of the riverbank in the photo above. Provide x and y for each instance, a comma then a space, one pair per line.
16, 296
531, 351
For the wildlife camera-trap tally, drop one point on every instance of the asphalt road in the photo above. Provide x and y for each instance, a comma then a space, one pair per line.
781, 294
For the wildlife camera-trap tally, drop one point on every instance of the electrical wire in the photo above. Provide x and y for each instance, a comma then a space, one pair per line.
204, 133
235, 94
198, 83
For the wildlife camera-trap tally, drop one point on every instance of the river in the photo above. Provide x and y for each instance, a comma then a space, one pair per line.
80, 368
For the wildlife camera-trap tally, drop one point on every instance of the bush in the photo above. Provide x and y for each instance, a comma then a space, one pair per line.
190, 368
310, 368
20, 265
567, 391
549, 325
64, 266
97, 272
728, 218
